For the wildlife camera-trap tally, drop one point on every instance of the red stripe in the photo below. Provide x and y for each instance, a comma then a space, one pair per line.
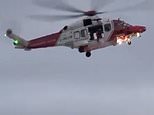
45, 41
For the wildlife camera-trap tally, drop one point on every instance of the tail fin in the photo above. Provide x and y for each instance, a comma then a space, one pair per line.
19, 42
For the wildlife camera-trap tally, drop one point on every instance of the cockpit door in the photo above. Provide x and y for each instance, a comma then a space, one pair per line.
108, 29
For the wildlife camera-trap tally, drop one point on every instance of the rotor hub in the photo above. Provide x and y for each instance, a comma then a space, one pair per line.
90, 13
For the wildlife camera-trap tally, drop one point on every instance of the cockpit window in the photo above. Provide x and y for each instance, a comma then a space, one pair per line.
107, 27
126, 24
122, 23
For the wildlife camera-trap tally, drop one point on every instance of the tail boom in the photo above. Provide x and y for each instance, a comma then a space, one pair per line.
45, 41
41, 42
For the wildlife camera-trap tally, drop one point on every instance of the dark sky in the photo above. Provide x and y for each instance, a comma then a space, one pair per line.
60, 81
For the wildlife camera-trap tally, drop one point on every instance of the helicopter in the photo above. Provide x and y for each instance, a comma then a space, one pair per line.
86, 35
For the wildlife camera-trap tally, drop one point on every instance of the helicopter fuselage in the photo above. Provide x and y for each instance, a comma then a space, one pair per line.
86, 35
91, 34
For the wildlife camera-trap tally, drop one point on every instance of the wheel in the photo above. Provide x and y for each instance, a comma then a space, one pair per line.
129, 43
88, 54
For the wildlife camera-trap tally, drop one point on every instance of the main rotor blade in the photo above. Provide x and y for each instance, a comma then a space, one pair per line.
60, 5
50, 18
141, 6
100, 4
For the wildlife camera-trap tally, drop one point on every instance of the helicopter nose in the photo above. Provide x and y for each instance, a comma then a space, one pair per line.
142, 29
137, 29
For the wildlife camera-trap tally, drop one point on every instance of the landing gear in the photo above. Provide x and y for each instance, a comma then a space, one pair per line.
129, 43
88, 54
81, 49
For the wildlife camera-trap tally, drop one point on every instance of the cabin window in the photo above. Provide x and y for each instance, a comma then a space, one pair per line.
94, 29
83, 33
107, 27
76, 35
